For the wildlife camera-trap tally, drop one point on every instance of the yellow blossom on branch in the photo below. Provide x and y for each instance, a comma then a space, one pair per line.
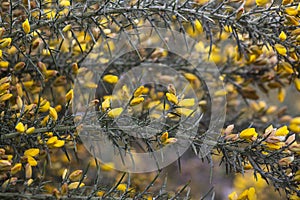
139, 91
172, 98
282, 36
262, 2
164, 137
16, 168
76, 175
248, 133
31, 161
187, 102
109, 78
113, 113
69, 95
32, 152
282, 131
5, 42
26, 26
20, 127
280, 49
122, 187
107, 166
53, 113
58, 143
136, 101
75, 185
105, 104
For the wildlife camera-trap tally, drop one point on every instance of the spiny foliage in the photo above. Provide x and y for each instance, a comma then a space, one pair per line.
44, 43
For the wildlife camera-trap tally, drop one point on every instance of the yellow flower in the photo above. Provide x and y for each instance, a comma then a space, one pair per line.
19, 66
26, 26
172, 98
16, 168
280, 49
295, 120
4, 86
190, 77
5, 42
243, 195
107, 166
281, 94
32, 152
228, 29
45, 107
5, 97
64, 3
75, 185
248, 166
232, 196
122, 187
109, 78
139, 91
53, 113
282, 131
136, 101
164, 137
295, 128
291, 11
282, 36
113, 113
248, 133
100, 193
185, 111
105, 104
28, 84
285, 2
287, 67
187, 102
4, 64
67, 28
52, 140
20, 127
252, 194
297, 83
69, 95
274, 146
261, 2
58, 108
58, 143
76, 175
31, 161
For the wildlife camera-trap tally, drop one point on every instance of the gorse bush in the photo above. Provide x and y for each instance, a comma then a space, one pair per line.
63, 70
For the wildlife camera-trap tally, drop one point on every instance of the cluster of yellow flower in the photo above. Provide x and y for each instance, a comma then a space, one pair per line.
248, 194
42, 46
